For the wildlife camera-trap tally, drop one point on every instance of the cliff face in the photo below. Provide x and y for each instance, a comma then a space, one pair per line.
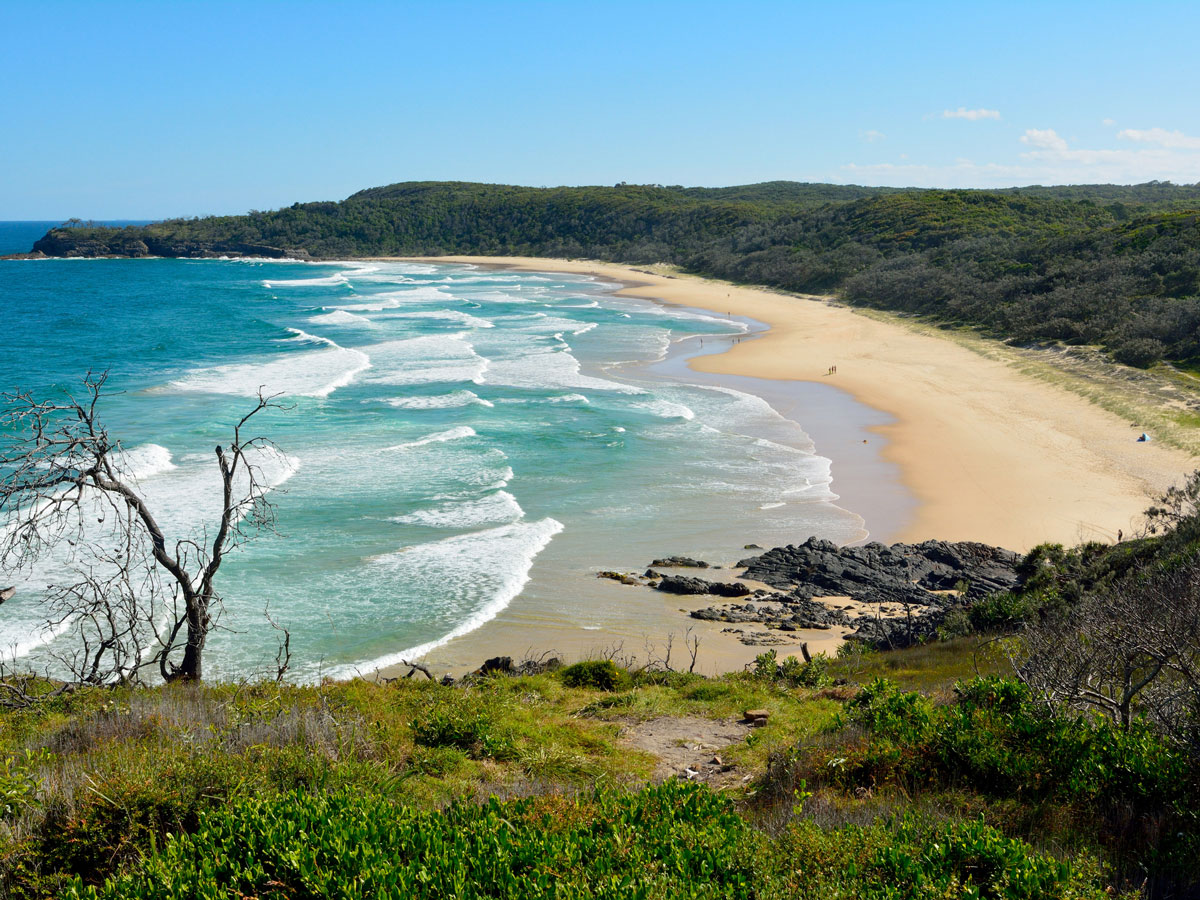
72, 243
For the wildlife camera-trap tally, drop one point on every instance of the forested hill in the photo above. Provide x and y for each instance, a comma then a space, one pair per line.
1117, 266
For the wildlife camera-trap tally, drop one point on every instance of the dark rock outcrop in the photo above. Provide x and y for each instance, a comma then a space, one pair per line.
619, 576
119, 242
681, 584
899, 586
903, 572
680, 562
786, 612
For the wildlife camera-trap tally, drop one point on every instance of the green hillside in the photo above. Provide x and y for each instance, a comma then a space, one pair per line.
1107, 265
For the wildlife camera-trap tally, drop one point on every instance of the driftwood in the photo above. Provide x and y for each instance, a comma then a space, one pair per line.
415, 667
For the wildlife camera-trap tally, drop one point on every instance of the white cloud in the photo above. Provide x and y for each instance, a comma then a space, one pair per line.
1109, 123
1045, 139
973, 115
1048, 158
1161, 137
871, 136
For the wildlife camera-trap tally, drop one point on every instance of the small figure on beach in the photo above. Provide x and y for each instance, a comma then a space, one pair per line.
1143, 438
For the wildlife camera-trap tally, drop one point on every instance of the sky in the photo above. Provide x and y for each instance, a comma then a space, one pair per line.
131, 110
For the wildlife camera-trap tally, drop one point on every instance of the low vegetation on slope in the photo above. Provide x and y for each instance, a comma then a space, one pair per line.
1047, 744
529, 787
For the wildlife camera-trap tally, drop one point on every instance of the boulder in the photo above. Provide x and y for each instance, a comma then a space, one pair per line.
681, 584
497, 665
680, 562
619, 576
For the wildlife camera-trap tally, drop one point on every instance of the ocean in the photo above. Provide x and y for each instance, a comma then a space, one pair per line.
459, 443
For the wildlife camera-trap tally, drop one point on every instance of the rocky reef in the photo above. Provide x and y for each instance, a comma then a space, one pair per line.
889, 596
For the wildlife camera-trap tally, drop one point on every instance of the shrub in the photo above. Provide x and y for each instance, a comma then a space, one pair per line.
462, 721
792, 671
884, 709
1140, 352
675, 840
600, 674
1133, 789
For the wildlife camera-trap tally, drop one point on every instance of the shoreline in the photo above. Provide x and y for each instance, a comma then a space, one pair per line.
986, 452
991, 454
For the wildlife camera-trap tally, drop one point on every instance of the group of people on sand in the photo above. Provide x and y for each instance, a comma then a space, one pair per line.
832, 370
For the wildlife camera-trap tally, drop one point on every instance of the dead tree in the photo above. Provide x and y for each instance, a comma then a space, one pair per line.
132, 598
1126, 651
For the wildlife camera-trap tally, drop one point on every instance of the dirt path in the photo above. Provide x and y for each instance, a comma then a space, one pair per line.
689, 747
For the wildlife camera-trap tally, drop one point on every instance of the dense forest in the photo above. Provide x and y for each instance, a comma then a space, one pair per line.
1108, 265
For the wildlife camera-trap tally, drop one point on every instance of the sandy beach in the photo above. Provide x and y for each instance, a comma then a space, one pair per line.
988, 453
991, 454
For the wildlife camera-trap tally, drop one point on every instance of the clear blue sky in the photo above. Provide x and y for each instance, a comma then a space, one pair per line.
152, 109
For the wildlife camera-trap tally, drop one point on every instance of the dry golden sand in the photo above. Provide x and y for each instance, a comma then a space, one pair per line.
991, 454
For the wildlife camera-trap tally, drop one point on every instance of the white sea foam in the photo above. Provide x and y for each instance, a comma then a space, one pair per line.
646, 308
665, 409
548, 370
774, 505
493, 509
395, 299
477, 576
145, 461
34, 636
451, 434
395, 270
430, 359
541, 323
310, 373
743, 410
440, 401
456, 316
501, 297
341, 317
303, 337
326, 281
185, 499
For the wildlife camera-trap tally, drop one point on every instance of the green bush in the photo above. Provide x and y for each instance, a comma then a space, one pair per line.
463, 721
792, 671
19, 782
675, 840
1129, 786
912, 859
971, 859
599, 674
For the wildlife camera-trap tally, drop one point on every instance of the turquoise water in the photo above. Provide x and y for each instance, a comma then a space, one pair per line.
452, 431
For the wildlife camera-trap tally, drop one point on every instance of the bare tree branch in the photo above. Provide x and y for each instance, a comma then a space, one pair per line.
66, 490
